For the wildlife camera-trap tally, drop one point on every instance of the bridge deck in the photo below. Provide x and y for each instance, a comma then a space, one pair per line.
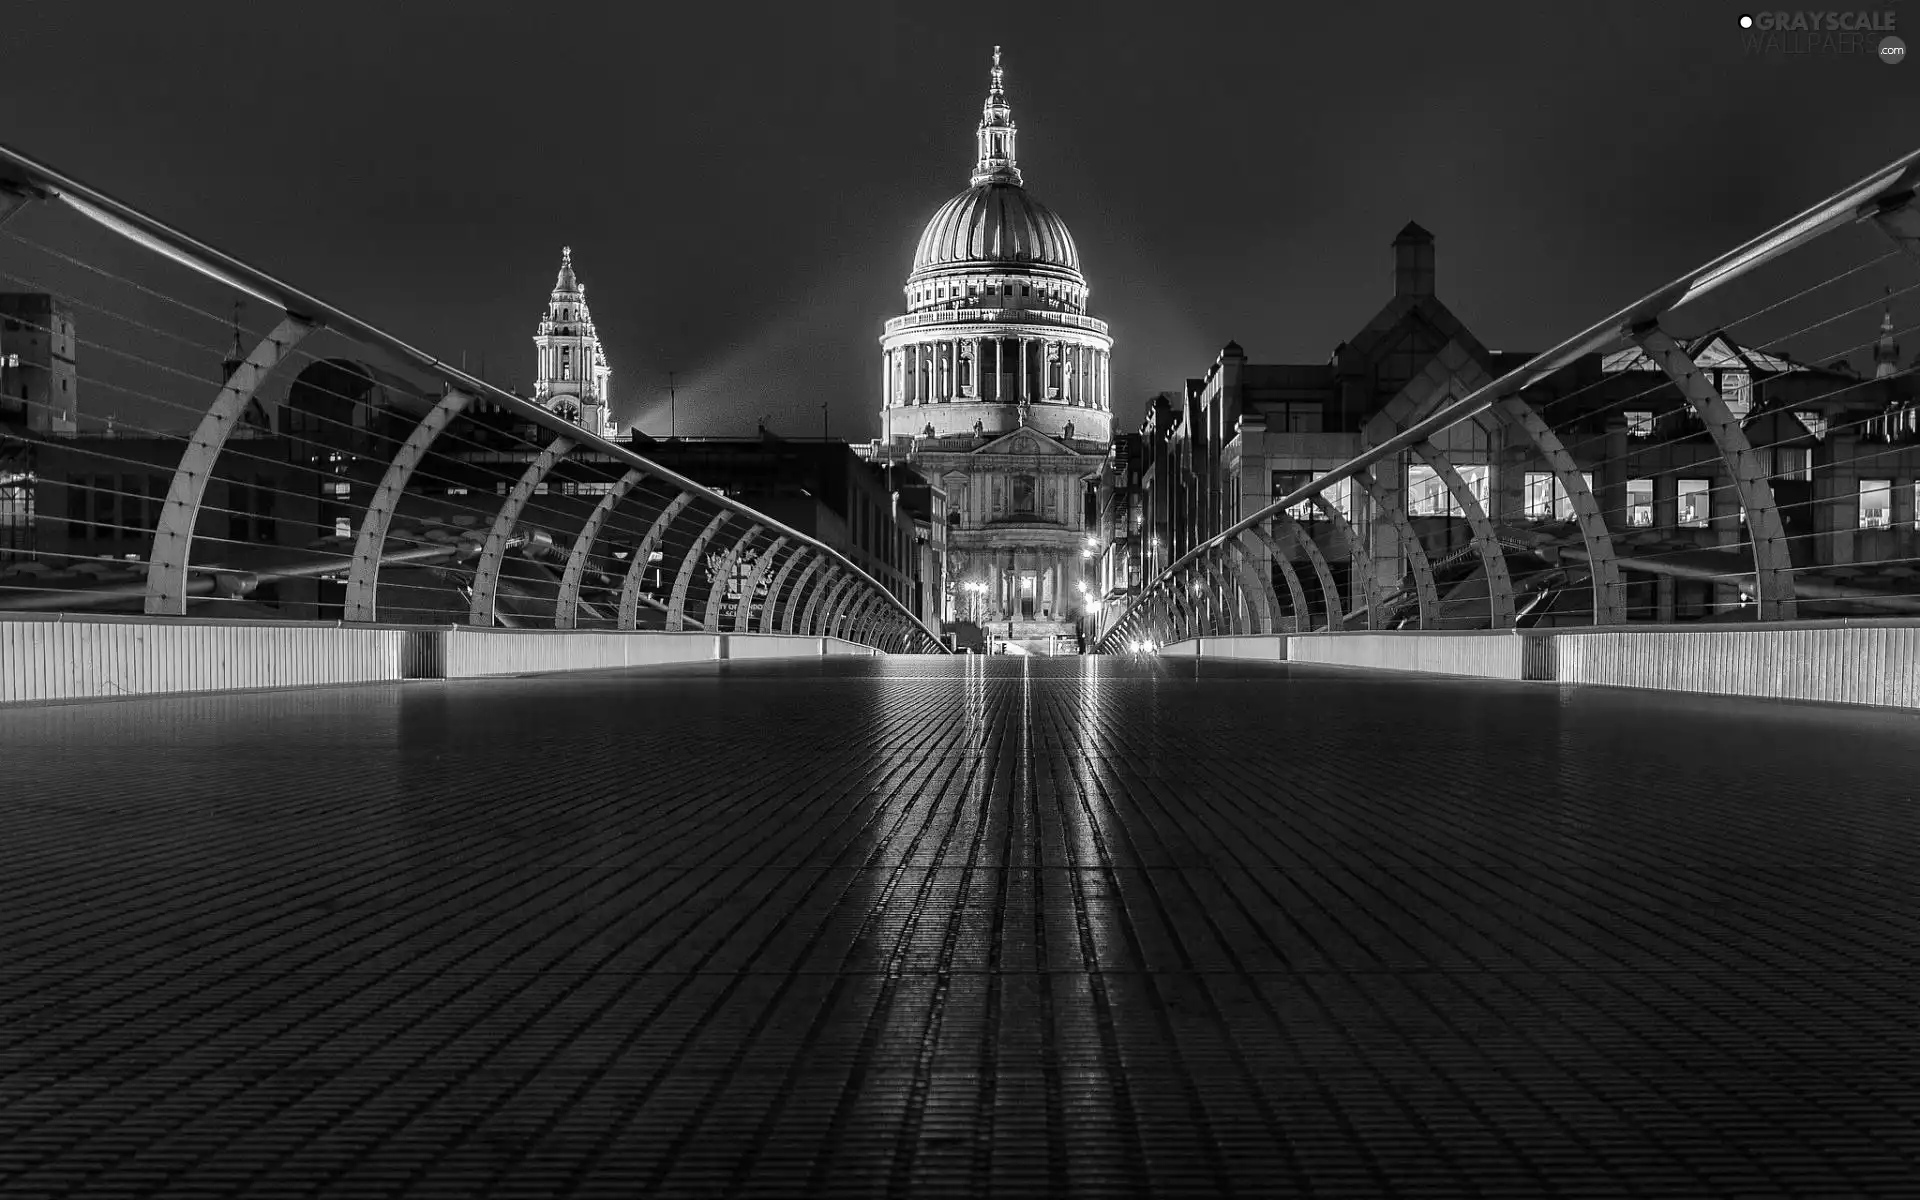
933, 927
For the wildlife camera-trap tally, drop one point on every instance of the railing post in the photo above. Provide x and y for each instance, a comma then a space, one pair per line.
683, 579
1424, 591
566, 607
762, 567
858, 614
834, 620
370, 546
1493, 557
825, 596
173, 535
637, 568
716, 595
1772, 563
1330, 603
789, 622
1261, 602
1609, 595
486, 574
1359, 559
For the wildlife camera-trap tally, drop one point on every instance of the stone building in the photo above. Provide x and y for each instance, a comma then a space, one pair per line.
571, 375
996, 386
1842, 453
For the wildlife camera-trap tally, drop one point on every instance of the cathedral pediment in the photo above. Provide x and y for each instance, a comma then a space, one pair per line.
1024, 441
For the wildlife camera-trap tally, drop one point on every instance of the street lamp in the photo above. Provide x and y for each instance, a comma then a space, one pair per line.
978, 589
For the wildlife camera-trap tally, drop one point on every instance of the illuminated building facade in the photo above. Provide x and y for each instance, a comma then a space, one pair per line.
571, 374
996, 385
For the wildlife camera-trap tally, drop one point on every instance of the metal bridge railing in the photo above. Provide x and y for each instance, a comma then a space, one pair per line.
1741, 444
183, 434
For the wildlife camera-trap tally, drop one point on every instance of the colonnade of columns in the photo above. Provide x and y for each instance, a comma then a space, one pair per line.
1005, 370
1003, 570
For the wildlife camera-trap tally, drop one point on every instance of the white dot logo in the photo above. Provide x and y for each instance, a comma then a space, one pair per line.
1746, 22
1892, 50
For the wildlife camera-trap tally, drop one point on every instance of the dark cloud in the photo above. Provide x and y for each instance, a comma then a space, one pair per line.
743, 184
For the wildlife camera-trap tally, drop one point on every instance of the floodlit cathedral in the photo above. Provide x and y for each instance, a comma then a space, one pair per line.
571, 372
997, 385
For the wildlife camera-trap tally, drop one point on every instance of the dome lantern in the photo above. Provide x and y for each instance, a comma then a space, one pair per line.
996, 134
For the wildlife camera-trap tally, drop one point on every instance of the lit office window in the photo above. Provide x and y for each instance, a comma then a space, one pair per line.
1429, 496
1640, 424
1426, 492
1538, 499
1545, 498
1876, 503
1736, 388
1692, 494
1640, 502
1285, 482
1563, 503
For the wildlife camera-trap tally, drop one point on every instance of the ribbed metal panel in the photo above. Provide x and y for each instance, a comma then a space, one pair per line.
1489, 655
1876, 664
1262, 647
472, 653
773, 645
51, 658
476, 652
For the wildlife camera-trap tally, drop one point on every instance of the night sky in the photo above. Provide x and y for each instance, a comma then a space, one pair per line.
743, 185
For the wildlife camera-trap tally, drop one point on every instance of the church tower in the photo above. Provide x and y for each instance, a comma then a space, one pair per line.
571, 373
1886, 350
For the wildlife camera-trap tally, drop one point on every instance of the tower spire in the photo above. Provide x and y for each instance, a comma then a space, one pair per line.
996, 134
1886, 350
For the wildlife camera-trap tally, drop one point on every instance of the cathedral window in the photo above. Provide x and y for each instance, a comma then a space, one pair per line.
1023, 495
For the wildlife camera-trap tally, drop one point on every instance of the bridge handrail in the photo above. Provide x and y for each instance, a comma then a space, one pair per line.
24, 174
1880, 191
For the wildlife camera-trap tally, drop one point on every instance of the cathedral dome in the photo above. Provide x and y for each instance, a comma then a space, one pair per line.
997, 221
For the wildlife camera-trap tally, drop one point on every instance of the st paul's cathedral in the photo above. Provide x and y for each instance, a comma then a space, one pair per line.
997, 387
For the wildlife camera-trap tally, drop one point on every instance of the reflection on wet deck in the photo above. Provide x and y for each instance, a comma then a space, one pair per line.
933, 927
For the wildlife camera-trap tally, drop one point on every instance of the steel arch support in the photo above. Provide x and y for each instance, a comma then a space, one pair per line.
683, 578
1262, 604
825, 594
363, 577
1424, 591
566, 609
1329, 591
743, 616
1603, 570
875, 624
852, 614
836, 606
1239, 605
173, 535
1359, 559
1302, 619
860, 625
486, 575
1493, 558
716, 595
788, 622
1772, 564
860, 616
637, 569
1226, 592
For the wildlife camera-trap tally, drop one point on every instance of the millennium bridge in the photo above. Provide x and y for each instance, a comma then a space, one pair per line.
407, 792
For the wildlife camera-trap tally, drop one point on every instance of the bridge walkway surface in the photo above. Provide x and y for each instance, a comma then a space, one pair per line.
948, 926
